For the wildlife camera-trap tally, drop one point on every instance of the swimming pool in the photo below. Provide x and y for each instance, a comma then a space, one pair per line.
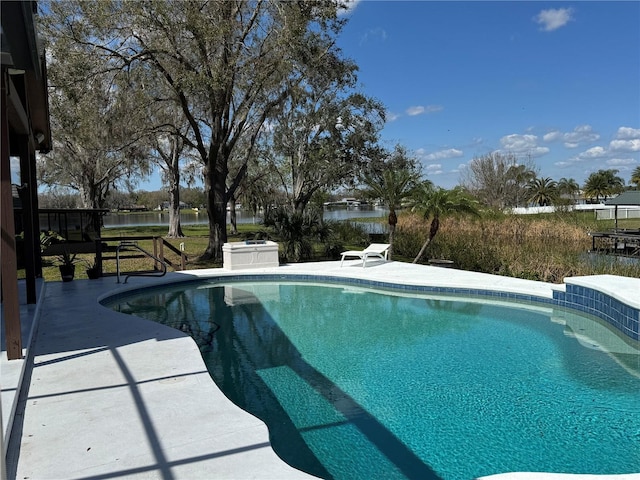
361, 383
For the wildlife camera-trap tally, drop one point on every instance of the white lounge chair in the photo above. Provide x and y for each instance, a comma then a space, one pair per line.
379, 250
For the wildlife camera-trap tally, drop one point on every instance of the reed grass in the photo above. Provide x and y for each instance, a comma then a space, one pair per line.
546, 248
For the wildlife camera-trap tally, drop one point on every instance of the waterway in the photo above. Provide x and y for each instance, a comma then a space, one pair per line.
191, 217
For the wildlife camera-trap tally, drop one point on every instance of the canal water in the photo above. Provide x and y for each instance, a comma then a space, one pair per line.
190, 217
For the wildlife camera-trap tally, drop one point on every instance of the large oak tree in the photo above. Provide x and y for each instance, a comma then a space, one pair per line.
325, 135
228, 64
96, 122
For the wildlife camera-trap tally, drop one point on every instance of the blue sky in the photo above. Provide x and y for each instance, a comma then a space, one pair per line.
556, 81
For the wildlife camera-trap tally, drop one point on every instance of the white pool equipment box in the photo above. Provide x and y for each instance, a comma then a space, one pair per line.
250, 254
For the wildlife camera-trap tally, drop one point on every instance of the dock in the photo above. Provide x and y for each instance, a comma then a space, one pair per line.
625, 243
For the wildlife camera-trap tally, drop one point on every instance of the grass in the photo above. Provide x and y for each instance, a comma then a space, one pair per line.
537, 247
195, 243
545, 247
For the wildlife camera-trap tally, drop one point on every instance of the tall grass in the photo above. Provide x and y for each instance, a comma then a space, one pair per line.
546, 248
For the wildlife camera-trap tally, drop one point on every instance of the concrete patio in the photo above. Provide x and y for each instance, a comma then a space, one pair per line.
107, 395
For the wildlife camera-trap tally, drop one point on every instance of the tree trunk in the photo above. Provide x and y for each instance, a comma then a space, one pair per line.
88, 194
393, 221
232, 216
421, 252
215, 191
435, 224
85, 195
175, 229
173, 174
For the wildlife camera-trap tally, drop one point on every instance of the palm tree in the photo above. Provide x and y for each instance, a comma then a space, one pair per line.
518, 177
603, 183
392, 187
635, 177
297, 230
542, 191
568, 186
435, 203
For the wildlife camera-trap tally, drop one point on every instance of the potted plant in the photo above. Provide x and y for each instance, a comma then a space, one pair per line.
49, 238
67, 265
93, 271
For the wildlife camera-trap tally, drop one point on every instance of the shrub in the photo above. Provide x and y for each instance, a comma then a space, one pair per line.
297, 231
349, 233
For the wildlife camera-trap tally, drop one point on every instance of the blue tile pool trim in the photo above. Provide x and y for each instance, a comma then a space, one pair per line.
588, 300
616, 313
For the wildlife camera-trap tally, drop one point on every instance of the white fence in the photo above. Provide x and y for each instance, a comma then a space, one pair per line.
608, 213
603, 212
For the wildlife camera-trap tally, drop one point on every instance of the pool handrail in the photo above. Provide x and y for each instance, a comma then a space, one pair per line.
126, 243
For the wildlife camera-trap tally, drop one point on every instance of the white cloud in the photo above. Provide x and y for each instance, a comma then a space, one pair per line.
599, 154
594, 152
563, 164
434, 108
553, 18
626, 142
417, 110
632, 145
392, 117
581, 134
628, 133
619, 162
552, 136
372, 34
444, 154
347, 7
523, 145
434, 169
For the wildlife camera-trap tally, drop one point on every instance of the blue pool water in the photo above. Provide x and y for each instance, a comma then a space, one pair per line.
361, 383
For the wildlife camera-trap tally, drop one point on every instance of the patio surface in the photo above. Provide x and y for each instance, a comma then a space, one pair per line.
108, 395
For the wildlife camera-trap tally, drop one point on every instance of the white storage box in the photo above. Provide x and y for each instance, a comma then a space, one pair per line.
250, 254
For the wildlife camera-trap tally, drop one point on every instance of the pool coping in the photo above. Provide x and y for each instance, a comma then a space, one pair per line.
252, 455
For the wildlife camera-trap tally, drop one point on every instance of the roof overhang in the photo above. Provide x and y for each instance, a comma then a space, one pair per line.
23, 60
628, 198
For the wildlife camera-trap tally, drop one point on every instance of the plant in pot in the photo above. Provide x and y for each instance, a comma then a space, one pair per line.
67, 265
93, 271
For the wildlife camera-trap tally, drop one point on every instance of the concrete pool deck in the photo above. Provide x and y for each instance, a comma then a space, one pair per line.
108, 395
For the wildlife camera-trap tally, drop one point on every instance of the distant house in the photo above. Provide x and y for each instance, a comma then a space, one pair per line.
626, 205
166, 205
133, 208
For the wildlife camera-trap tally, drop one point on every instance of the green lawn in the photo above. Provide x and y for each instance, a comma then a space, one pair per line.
195, 242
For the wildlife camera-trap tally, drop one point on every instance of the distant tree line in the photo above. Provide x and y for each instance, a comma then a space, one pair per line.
122, 200
503, 181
